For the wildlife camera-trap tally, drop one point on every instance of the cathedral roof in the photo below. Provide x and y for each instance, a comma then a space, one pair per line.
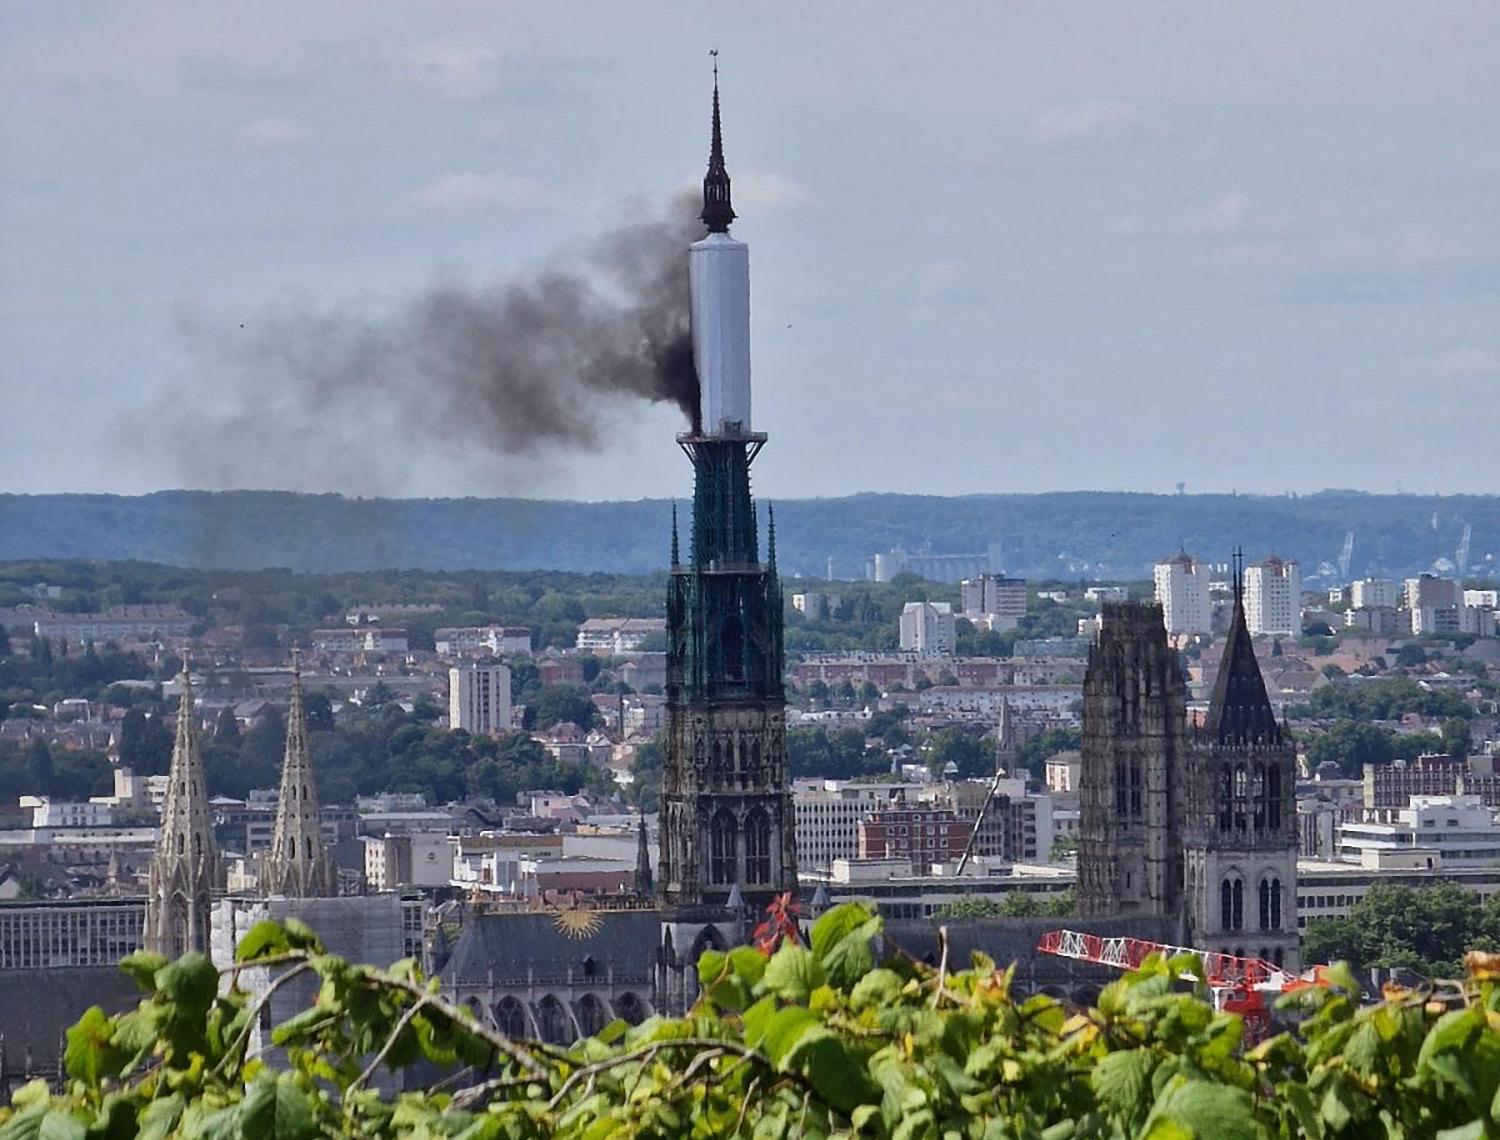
547, 944
1240, 712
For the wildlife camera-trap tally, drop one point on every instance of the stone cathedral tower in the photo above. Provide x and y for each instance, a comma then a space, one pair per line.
1132, 788
185, 871
727, 844
298, 864
1241, 832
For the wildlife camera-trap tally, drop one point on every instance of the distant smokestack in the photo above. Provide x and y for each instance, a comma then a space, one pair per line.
520, 368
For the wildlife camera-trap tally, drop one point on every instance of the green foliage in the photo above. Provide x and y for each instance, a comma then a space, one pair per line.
806, 1041
1424, 929
1385, 699
832, 753
1012, 904
553, 704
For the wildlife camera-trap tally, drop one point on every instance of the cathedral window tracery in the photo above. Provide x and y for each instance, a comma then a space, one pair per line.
721, 847
757, 847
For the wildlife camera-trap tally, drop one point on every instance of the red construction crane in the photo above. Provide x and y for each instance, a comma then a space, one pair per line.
1238, 985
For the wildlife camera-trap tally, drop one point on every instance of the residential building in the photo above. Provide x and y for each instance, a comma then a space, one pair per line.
614, 636
360, 639
1482, 599
498, 640
1380, 620
1273, 597
1459, 830
1063, 771
827, 815
47, 812
417, 859
815, 605
119, 623
479, 698
1017, 826
923, 835
927, 628
1182, 592
1430, 590
1106, 594
1374, 593
997, 601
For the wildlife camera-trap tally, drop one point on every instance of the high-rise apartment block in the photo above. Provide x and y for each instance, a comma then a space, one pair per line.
1273, 597
928, 628
1373, 593
479, 698
1182, 592
999, 602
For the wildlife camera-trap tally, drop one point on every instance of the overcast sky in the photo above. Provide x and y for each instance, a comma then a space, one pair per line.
995, 246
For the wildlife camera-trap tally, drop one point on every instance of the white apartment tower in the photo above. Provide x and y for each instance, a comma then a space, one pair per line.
479, 698
928, 628
1273, 597
996, 598
1182, 592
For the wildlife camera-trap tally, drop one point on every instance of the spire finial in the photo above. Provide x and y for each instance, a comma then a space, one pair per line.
771, 535
717, 212
1239, 573
676, 554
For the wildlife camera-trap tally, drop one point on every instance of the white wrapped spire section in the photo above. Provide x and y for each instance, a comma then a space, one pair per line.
719, 281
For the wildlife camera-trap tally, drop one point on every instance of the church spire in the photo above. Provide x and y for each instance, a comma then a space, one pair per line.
185, 870
298, 864
642, 862
717, 212
676, 553
1240, 711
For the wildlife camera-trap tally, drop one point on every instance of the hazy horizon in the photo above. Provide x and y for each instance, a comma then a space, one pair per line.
995, 249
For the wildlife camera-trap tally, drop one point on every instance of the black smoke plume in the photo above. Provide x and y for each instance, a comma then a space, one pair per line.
543, 363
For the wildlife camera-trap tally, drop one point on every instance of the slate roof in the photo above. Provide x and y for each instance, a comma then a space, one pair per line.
1240, 712
538, 945
38, 1006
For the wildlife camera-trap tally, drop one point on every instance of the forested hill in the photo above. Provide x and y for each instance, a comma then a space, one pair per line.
1060, 535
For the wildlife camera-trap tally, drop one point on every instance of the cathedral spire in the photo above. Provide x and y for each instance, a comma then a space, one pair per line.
1240, 712
185, 870
771, 537
642, 862
298, 864
717, 212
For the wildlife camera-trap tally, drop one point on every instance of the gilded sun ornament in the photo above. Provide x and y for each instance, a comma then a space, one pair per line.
577, 922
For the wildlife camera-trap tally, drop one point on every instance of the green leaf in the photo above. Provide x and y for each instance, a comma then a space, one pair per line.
300, 936
143, 966
276, 1109
1202, 1110
838, 1075
1123, 1081
876, 989
266, 938
785, 1029
852, 957
61, 1125
90, 1056
160, 1117
191, 982
830, 930
793, 973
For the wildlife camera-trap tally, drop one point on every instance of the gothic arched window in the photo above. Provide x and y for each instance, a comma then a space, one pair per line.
1226, 799
1273, 797
1135, 788
1275, 904
1122, 789
721, 857
510, 1018
1265, 904
758, 847
553, 1023
1241, 790
591, 1015
1232, 903
630, 1008
1258, 794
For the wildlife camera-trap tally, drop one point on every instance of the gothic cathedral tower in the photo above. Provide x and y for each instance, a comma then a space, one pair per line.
1241, 835
185, 871
1134, 759
727, 844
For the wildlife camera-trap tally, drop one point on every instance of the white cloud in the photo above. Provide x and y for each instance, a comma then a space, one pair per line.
1469, 361
1098, 118
453, 70
469, 190
271, 132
